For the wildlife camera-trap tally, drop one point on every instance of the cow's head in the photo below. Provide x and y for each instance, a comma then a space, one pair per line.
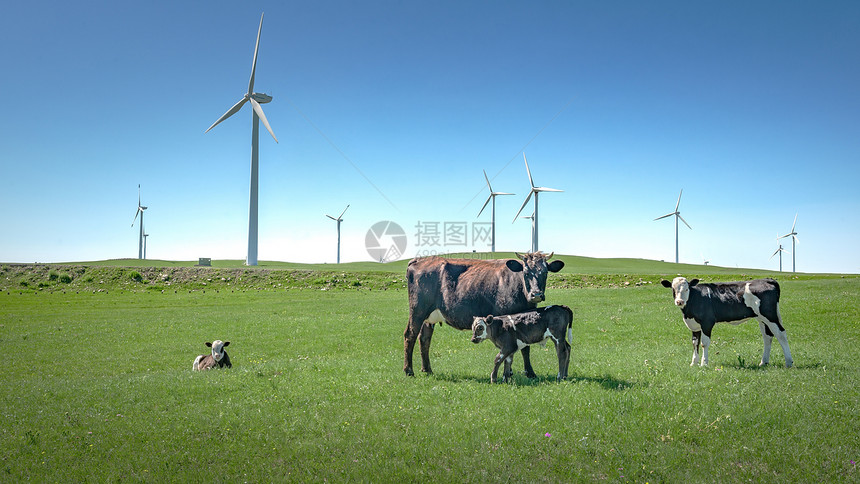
680, 289
218, 348
534, 269
479, 328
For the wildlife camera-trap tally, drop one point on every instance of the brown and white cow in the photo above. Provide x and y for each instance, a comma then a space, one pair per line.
216, 359
513, 332
704, 305
454, 291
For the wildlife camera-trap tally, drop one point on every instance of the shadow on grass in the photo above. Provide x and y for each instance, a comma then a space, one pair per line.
607, 382
740, 365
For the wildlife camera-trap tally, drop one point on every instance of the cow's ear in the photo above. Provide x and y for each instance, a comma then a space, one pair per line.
514, 265
488, 319
226, 343
666, 283
694, 282
555, 265
208, 344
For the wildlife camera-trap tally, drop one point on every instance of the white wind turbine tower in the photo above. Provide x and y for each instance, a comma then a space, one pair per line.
532, 218
339, 219
678, 216
779, 251
493, 224
534, 191
141, 240
794, 240
256, 100
144, 244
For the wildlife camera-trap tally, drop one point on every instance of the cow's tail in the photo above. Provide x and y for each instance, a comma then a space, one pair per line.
196, 365
569, 324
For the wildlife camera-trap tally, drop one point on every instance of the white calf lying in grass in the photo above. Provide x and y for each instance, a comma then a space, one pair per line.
217, 359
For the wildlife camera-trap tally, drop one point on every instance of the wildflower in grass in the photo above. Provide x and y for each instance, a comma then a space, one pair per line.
547, 434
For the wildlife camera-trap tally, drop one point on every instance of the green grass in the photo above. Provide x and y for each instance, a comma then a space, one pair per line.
98, 387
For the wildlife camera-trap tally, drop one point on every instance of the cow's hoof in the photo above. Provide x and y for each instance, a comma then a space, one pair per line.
789, 364
531, 374
409, 372
427, 370
763, 363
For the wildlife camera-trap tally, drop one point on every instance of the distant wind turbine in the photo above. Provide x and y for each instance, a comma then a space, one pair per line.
339, 219
779, 251
534, 191
493, 224
678, 216
141, 240
144, 244
794, 241
256, 100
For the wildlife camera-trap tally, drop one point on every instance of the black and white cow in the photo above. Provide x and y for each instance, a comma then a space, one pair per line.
216, 359
513, 332
704, 305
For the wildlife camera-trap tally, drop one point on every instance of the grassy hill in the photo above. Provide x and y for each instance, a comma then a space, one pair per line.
162, 275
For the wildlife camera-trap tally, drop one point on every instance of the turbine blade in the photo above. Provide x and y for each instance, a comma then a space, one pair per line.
796, 239
488, 181
545, 189
329, 216
775, 252
135, 216
485, 204
259, 110
254, 63
528, 171
685, 222
794, 224
236, 107
664, 216
679, 200
344, 211
502, 193
524, 206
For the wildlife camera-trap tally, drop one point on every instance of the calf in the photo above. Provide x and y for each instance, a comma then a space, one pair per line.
513, 332
217, 359
704, 305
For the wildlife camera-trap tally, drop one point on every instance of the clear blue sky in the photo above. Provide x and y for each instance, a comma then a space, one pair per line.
753, 108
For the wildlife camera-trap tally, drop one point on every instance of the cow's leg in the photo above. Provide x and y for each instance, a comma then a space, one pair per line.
527, 362
424, 337
562, 349
496, 363
774, 324
767, 337
509, 372
706, 342
697, 335
410, 336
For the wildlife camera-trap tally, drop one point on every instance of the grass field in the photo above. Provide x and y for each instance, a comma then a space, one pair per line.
97, 386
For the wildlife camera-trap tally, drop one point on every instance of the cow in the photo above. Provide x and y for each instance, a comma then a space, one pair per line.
216, 359
704, 305
454, 291
513, 332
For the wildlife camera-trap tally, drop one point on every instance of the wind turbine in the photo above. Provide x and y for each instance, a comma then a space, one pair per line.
339, 219
794, 240
534, 191
532, 218
493, 198
141, 241
144, 245
256, 100
779, 251
678, 216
